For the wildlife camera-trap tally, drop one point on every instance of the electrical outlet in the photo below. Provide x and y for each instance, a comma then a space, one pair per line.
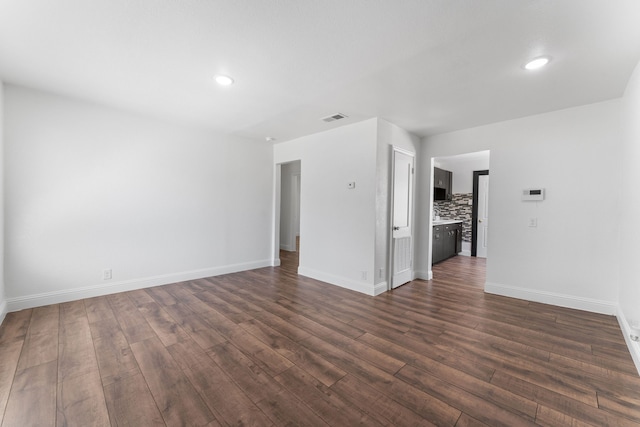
364, 275
106, 274
533, 222
381, 273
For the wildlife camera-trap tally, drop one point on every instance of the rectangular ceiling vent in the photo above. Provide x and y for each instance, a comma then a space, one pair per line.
334, 117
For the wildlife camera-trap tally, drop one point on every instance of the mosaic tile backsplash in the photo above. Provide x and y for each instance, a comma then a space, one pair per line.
458, 208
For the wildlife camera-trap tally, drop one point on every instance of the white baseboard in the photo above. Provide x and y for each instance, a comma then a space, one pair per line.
3, 310
424, 275
466, 249
275, 262
65, 295
380, 288
634, 346
569, 301
343, 282
287, 248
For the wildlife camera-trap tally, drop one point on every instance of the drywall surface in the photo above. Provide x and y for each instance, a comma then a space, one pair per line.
337, 224
90, 188
462, 168
569, 258
629, 250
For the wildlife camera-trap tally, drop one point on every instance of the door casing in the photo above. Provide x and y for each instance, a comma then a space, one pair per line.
396, 246
474, 211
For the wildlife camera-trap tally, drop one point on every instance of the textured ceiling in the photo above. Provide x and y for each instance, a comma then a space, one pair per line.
428, 66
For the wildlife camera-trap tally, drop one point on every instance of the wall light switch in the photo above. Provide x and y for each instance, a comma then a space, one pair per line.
351, 185
533, 222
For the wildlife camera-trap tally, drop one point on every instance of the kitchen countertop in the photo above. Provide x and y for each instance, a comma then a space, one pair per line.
446, 221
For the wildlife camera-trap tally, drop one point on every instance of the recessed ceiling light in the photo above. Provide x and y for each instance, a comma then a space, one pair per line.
536, 63
224, 80
270, 139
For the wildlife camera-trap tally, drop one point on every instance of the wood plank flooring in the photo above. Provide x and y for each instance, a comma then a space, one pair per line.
269, 348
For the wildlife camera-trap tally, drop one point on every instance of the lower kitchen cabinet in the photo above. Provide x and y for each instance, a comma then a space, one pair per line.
447, 241
438, 243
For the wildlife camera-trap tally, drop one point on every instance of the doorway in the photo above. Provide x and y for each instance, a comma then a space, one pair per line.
289, 221
463, 204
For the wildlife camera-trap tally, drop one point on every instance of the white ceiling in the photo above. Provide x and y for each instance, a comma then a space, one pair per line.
477, 156
429, 66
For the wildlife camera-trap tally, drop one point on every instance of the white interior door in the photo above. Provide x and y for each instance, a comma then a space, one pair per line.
483, 216
402, 209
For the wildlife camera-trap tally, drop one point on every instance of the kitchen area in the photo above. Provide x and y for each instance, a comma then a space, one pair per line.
454, 206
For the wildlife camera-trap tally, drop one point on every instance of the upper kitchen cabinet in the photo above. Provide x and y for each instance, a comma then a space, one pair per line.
441, 184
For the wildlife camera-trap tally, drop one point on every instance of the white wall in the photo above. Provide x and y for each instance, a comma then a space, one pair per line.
388, 135
569, 259
3, 302
462, 167
337, 224
90, 187
629, 249
345, 233
289, 218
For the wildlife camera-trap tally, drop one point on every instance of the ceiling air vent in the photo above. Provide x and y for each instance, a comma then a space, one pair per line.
334, 117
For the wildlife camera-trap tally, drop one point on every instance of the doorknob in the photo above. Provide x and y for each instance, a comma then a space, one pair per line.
479, 220
396, 228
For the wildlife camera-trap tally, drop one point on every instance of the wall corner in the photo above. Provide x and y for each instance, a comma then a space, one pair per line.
634, 346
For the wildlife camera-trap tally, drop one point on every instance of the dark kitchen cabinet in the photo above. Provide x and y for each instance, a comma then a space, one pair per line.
440, 178
442, 181
438, 243
447, 241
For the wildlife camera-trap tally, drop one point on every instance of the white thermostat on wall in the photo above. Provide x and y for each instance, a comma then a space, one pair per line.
532, 194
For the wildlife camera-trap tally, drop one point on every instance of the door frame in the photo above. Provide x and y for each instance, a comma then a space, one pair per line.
297, 184
474, 211
277, 209
275, 237
390, 264
293, 211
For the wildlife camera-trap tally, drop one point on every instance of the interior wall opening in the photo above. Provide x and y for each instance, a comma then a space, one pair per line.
289, 221
460, 210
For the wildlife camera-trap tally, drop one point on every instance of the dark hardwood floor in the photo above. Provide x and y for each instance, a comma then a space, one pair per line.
269, 348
